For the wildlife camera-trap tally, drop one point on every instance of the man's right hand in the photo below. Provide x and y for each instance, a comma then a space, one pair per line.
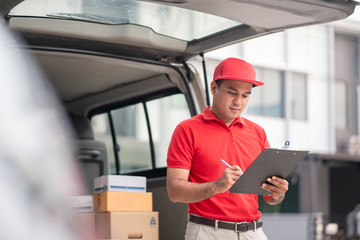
228, 178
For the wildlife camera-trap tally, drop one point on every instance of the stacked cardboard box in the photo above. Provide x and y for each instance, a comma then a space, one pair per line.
82, 207
124, 210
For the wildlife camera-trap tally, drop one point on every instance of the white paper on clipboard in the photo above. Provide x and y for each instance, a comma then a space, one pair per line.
270, 162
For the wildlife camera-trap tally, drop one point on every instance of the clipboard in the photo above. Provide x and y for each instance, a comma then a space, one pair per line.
270, 162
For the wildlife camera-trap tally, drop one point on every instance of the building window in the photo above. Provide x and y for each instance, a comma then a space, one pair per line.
268, 100
340, 105
298, 96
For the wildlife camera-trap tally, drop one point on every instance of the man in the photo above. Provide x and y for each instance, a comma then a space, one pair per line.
195, 174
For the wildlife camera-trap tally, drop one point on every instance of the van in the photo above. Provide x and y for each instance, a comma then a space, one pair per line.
122, 72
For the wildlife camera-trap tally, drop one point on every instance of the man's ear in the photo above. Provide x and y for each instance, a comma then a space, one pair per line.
213, 87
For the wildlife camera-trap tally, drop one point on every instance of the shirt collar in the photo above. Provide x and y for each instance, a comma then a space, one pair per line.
209, 115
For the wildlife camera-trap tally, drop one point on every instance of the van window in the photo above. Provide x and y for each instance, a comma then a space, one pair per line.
138, 135
165, 114
132, 138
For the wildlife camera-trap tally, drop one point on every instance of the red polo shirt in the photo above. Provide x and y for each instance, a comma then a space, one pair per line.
199, 143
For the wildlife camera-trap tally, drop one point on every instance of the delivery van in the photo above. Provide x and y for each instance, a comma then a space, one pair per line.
122, 72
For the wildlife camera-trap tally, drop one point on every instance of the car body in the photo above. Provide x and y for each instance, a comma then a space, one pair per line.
109, 60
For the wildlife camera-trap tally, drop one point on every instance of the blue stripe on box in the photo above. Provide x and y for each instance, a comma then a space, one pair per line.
126, 187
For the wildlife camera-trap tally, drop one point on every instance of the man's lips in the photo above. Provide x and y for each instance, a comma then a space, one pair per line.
234, 109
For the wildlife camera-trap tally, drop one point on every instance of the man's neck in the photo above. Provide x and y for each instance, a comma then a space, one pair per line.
218, 116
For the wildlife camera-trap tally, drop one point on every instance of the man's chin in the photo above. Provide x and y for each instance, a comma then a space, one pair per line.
235, 112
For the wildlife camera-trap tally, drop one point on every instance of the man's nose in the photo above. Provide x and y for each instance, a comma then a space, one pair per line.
237, 100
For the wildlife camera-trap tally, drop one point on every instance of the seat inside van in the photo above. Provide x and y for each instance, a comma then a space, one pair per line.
91, 153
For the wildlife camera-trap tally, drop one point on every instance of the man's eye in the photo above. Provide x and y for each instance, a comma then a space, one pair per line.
233, 93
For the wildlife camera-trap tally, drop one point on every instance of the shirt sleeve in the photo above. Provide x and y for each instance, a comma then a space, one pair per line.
180, 152
266, 143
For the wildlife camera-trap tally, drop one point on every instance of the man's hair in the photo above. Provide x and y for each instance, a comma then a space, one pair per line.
219, 82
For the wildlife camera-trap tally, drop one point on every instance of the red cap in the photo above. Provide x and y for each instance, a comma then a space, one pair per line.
236, 69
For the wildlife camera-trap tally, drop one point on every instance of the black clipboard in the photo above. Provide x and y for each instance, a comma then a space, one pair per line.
270, 162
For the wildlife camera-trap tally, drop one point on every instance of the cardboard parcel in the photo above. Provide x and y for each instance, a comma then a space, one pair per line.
119, 183
127, 225
123, 202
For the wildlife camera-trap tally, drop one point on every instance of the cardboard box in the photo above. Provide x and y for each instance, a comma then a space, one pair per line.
119, 183
127, 225
123, 202
81, 203
86, 222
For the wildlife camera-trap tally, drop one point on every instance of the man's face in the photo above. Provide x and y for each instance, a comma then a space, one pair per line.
230, 99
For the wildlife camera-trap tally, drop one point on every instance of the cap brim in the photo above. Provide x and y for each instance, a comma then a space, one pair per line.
257, 83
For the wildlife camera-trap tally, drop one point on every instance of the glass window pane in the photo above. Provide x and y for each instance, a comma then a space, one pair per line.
132, 137
268, 100
273, 93
211, 64
340, 105
298, 96
102, 132
165, 113
184, 24
255, 103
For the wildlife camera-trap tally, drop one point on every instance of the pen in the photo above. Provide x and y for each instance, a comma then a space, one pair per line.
225, 162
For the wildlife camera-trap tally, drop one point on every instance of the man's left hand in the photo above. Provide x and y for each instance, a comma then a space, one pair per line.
277, 188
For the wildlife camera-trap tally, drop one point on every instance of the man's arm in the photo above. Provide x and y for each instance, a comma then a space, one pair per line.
181, 190
277, 190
